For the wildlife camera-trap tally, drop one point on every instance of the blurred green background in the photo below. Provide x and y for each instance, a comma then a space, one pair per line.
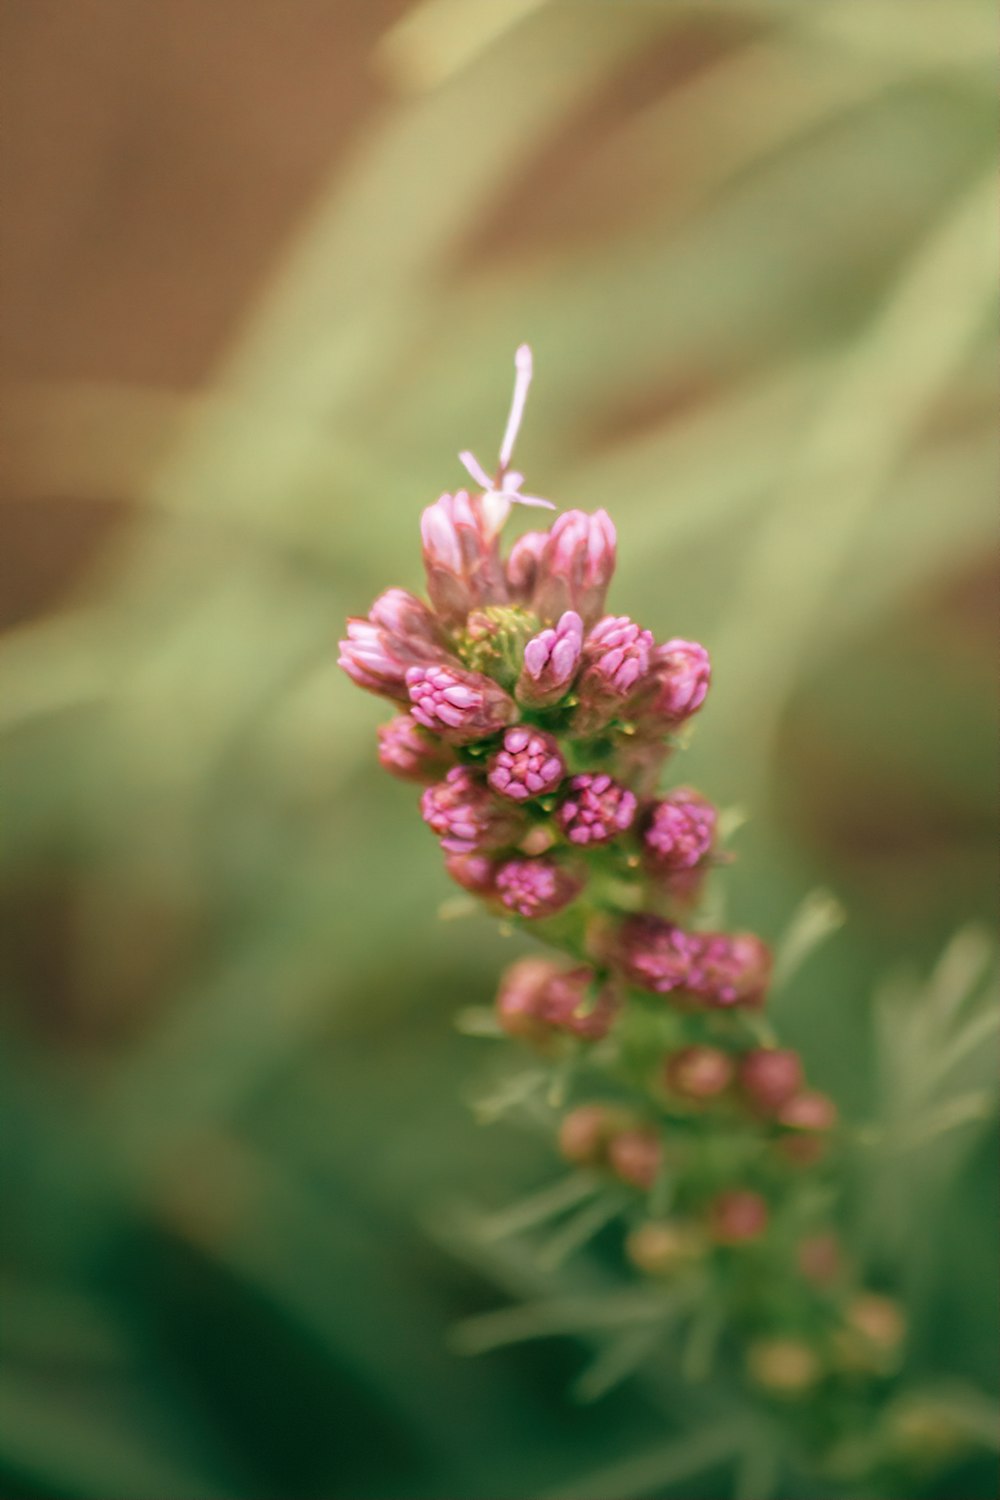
266, 263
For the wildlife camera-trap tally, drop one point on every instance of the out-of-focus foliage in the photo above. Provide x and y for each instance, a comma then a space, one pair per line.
758, 279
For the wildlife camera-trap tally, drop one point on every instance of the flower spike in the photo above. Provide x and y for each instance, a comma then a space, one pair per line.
537, 725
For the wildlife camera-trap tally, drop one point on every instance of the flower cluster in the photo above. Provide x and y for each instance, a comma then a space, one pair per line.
539, 725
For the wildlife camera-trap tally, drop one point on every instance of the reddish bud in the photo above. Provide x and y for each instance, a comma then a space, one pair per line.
410, 752
529, 764
635, 1156
769, 1077
461, 706
698, 1072
537, 997
737, 1217
537, 887
596, 809
678, 831
576, 567
551, 660
466, 817
462, 554
654, 954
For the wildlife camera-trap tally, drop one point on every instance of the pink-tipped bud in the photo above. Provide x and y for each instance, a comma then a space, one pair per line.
636, 1156
678, 831
576, 567
551, 660
537, 997
698, 1073
737, 1217
466, 817
679, 675
729, 969
616, 658
809, 1117
654, 954
462, 555
584, 1134
529, 764
473, 872
410, 752
537, 887
770, 1077
809, 1110
523, 565
596, 809
819, 1258
459, 705
399, 633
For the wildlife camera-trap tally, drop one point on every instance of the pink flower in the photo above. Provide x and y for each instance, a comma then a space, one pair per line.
738, 1216
536, 887
679, 831
504, 488
654, 954
474, 872
551, 660
635, 1155
576, 567
378, 651
537, 997
728, 969
523, 564
679, 675
615, 658
596, 809
459, 705
809, 1110
770, 1077
699, 1072
528, 765
461, 556
411, 753
466, 817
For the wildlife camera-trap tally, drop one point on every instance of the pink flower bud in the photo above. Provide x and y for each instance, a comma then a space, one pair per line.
411, 753
537, 887
537, 997
473, 872
551, 660
596, 809
616, 658
729, 969
459, 705
769, 1077
528, 765
809, 1117
679, 674
654, 954
378, 651
635, 1156
699, 1072
408, 619
819, 1258
584, 1134
576, 566
809, 1110
462, 555
523, 565
678, 831
738, 1216
466, 817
